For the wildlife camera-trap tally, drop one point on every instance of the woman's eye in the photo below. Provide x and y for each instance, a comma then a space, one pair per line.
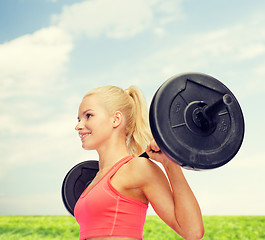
88, 115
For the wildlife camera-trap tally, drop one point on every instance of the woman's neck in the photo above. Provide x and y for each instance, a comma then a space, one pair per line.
110, 155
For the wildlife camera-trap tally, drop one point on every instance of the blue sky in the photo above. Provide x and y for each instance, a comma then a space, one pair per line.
52, 52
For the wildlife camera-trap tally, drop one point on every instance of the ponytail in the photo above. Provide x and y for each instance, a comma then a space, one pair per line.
140, 134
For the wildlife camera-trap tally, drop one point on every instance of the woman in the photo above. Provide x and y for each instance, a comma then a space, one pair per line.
114, 122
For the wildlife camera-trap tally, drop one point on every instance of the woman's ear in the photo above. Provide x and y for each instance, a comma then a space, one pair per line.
117, 119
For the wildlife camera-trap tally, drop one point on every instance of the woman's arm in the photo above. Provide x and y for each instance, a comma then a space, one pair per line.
175, 203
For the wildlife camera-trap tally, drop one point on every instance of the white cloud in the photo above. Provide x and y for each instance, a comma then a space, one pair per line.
251, 51
226, 53
39, 141
226, 45
30, 62
239, 202
234, 54
31, 77
117, 19
233, 189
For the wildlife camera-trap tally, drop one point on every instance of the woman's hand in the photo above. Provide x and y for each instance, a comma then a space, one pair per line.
155, 153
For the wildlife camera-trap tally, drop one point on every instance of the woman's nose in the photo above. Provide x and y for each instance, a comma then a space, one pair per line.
78, 127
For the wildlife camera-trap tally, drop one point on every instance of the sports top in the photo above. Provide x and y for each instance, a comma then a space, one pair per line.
105, 212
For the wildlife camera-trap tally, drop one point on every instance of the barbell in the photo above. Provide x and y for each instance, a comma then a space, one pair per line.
196, 121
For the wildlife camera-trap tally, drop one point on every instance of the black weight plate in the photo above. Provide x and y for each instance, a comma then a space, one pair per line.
76, 181
170, 126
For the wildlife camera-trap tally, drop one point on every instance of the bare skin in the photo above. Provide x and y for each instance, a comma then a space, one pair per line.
140, 178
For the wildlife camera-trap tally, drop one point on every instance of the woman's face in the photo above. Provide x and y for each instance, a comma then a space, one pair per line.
95, 123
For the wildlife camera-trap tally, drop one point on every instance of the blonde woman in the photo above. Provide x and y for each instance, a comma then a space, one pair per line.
114, 122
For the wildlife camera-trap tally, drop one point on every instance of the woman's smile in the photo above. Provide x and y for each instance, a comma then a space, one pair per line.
83, 135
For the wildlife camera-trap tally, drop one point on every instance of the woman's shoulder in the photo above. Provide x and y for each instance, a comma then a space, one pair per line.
143, 168
142, 163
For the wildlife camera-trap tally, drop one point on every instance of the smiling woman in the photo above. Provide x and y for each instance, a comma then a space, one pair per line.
114, 122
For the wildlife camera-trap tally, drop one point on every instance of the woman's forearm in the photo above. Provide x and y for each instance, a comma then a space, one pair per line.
187, 211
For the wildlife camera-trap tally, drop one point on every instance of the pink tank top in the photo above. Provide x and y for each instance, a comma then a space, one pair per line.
104, 212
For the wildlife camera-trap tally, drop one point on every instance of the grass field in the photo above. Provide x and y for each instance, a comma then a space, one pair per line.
66, 228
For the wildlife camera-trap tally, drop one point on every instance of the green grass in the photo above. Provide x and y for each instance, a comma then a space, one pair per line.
216, 228
66, 228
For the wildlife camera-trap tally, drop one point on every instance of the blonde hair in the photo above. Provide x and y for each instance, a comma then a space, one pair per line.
131, 103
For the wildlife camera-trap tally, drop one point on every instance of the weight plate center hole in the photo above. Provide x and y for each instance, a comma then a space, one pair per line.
196, 121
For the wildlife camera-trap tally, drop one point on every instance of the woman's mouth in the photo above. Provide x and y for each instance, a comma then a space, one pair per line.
83, 135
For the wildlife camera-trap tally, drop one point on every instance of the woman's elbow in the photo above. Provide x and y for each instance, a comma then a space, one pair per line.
198, 235
193, 233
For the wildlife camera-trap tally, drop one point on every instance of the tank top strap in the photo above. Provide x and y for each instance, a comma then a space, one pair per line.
119, 164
